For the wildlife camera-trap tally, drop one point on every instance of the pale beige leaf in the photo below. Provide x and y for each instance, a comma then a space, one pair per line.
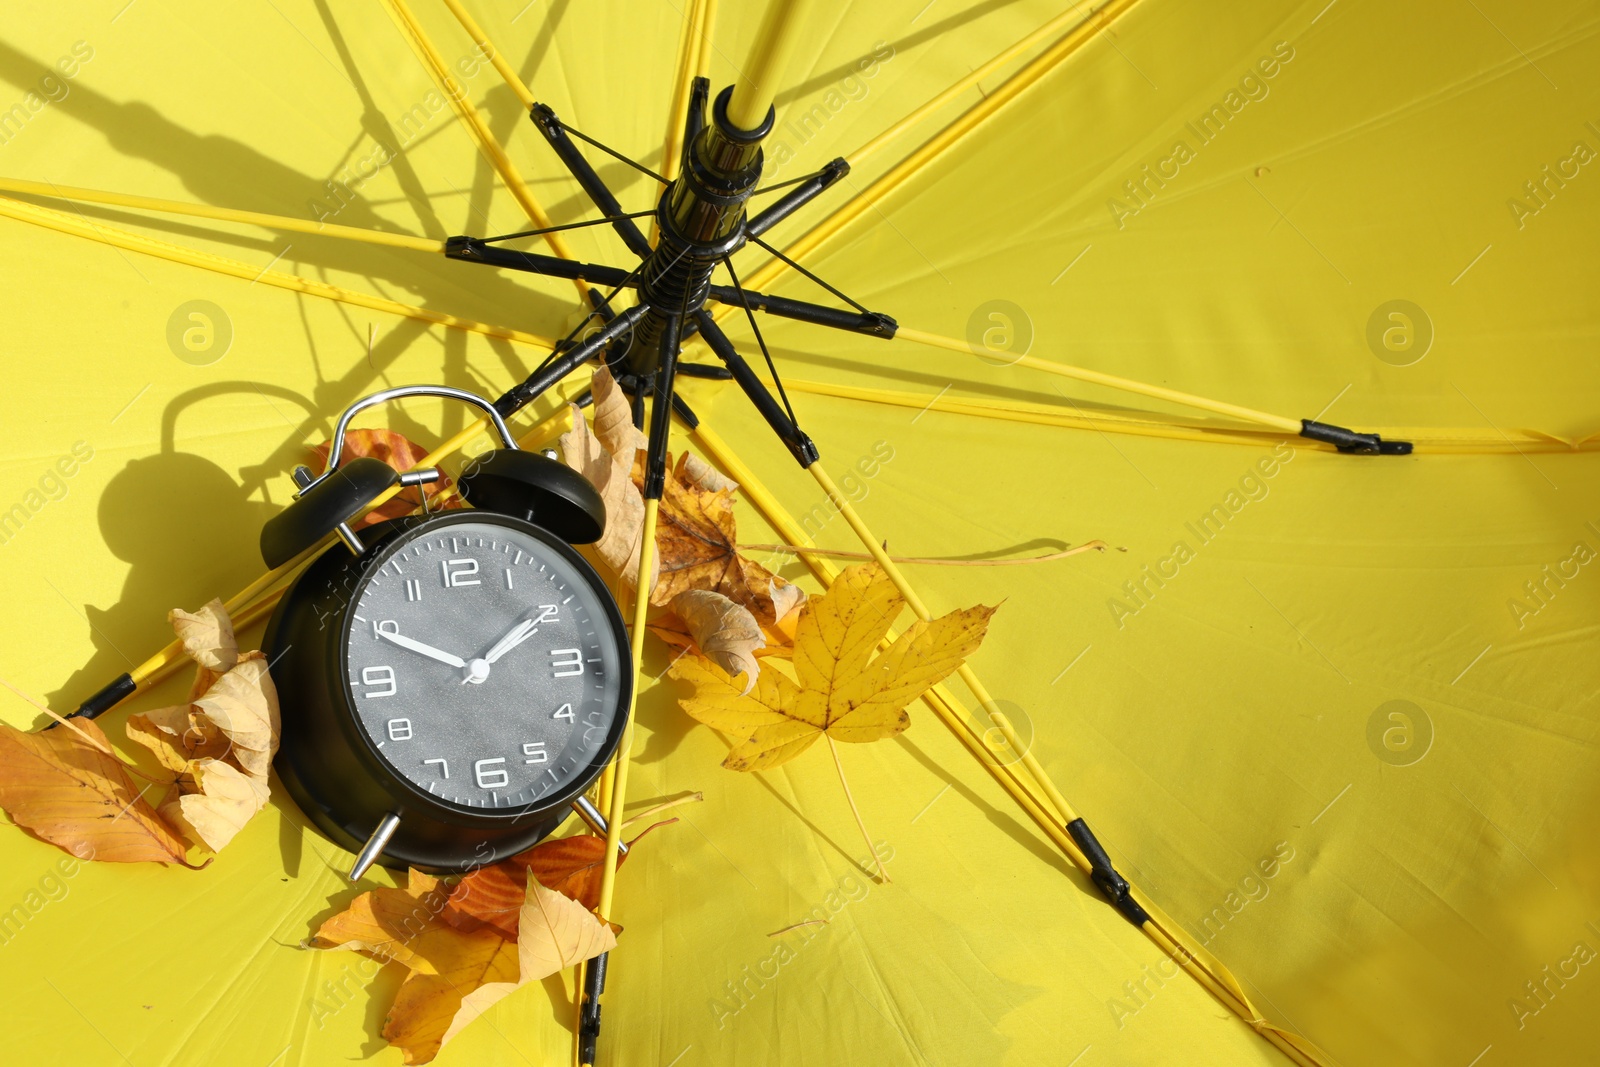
613, 418
786, 598
692, 470
243, 704
619, 544
175, 736
207, 637
475, 1004
726, 632
556, 932
225, 799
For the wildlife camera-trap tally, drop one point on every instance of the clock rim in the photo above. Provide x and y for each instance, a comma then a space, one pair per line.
362, 743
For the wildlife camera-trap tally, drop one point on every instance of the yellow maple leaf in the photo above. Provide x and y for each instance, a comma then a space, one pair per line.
840, 687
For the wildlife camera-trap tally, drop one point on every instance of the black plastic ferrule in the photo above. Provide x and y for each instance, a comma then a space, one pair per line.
1361, 444
119, 689
1115, 887
719, 115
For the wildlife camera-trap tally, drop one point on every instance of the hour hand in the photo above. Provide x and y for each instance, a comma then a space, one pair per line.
512, 639
426, 650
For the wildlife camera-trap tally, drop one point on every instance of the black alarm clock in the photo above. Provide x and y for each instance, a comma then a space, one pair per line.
450, 683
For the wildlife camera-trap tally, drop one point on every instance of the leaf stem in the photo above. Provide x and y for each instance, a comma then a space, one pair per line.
940, 561
63, 721
883, 874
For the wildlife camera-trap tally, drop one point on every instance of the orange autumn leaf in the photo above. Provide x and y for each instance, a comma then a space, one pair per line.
397, 451
454, 973
444, 964
494, 896
59, 785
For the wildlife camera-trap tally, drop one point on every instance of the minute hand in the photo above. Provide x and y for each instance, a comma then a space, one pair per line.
426, 650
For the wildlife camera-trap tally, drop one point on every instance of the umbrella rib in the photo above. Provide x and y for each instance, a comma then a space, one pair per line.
467, 112
118, 238
1174, 396
934, 147
222, 214
1455, 439
795, 266
689, 37
727, 261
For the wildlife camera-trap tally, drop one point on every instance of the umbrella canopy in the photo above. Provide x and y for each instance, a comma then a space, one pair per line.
1333, 713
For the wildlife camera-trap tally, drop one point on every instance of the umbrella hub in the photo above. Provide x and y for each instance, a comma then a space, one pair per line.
702, 219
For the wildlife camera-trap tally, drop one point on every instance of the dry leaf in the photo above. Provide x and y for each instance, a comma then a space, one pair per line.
493, 896
697, 473
725, 633
223, 800
398, 452
177, 736
786, 600
445, 964
207, 637
613, 419
843, 689
243, 704
554, 932
697, 541
72, 794
618, 546
456, 974
388, 924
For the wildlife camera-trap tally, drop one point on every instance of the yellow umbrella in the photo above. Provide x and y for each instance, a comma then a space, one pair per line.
1326, 712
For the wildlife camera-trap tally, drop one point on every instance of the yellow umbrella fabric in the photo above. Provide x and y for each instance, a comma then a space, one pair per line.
1333, 714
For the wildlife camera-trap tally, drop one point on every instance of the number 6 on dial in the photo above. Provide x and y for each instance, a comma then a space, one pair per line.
490, 774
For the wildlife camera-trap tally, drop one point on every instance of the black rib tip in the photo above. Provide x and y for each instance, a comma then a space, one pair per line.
1351, 442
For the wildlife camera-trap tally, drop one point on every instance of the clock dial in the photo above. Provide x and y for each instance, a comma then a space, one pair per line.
483, 665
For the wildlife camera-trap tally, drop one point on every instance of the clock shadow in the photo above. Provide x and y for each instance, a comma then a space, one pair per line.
657, 707
186, 529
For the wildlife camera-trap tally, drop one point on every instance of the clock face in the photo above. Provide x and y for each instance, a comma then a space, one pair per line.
484, 666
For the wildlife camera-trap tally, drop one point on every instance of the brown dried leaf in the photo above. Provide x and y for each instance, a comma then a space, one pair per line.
697, 540
398, 452
493, 896
387, 924
68, 792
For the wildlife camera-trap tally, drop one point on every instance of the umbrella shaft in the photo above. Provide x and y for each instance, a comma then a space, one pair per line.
702, 218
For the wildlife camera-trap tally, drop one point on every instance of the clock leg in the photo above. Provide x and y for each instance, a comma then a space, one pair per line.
375, 844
